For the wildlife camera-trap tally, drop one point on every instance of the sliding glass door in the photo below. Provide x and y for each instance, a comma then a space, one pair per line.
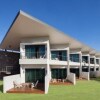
32, 75
35, 51
59, 73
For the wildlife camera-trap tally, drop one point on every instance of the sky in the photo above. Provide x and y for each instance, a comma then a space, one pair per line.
79, 19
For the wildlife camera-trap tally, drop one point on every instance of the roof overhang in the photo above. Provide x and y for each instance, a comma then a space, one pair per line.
26, 26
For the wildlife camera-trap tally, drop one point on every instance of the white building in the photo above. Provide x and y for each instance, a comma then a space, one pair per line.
46, 53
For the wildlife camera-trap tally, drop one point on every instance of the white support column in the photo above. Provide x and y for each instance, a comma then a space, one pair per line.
89, 63
48, 58
94, 63
99, 64
22, 51
68, 59
80, 69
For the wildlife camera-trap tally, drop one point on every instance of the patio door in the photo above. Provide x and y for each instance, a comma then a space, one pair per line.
58, 73
32, 75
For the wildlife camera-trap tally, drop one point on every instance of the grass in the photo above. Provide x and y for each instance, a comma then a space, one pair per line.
83, 90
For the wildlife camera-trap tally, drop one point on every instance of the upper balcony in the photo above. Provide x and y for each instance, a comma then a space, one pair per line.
33, 58
58, 57
97, 62
85, 60
33, 54
74, 60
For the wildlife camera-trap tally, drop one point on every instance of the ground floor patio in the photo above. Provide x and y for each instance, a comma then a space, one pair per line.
38, 90
83, 90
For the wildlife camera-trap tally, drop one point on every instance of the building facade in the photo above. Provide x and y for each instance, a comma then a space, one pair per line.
47, 52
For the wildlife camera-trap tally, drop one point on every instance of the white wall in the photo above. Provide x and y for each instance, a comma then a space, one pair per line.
92, 73
47, 80
72, 78
33, 61
85, 75
8, 82
57, 62
95, 73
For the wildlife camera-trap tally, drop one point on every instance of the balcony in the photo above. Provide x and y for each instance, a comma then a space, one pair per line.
74, 61
57, 59
33, 58
85, 61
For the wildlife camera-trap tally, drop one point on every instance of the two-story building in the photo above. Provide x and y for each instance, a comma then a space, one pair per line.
45, 51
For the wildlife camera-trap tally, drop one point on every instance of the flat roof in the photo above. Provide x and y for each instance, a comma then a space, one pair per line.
26, 26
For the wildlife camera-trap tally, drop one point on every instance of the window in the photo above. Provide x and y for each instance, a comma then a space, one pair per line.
35, 51
59, 55
97, 61
92, 60
85, 59
74, 57
59, 73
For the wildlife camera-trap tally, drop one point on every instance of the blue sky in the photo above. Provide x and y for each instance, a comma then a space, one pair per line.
77, 18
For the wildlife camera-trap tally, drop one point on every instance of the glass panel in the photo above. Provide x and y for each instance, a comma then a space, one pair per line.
92, 60
35, 51
64, 55
59, 73
59, 55
53, 55
42, 51
85, 59
97, 61
74, 57
32, 75
29, 51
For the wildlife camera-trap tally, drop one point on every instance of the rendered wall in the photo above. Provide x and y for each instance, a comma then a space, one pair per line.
95, 74
72, 78
8, 82
85, 75
47, 80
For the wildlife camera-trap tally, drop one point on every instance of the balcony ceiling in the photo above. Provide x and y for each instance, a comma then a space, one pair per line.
26, 26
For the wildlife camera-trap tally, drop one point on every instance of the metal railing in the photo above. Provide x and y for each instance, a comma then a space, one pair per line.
6, 69
74, 59
91, 62
84, 60
33, 55
58, 57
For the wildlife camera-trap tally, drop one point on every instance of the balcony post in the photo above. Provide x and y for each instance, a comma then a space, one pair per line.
48, 58
99, 64
68, 59
89, 63
94, 63
80, 69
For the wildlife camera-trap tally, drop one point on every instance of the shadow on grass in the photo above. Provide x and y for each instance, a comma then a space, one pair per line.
1, 88
96, 79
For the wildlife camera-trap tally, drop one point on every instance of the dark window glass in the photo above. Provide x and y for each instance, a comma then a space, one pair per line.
35, 51
85, 59
59, 55
97, 61
59, 73
92, 60
74, 57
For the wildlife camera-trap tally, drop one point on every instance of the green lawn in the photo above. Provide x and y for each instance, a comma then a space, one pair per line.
84, 90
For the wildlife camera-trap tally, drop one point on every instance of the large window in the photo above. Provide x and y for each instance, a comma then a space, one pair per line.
74, 57
35, 51
85, 59
59, 55
32, 75
92, 60
97, 61
59, 73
